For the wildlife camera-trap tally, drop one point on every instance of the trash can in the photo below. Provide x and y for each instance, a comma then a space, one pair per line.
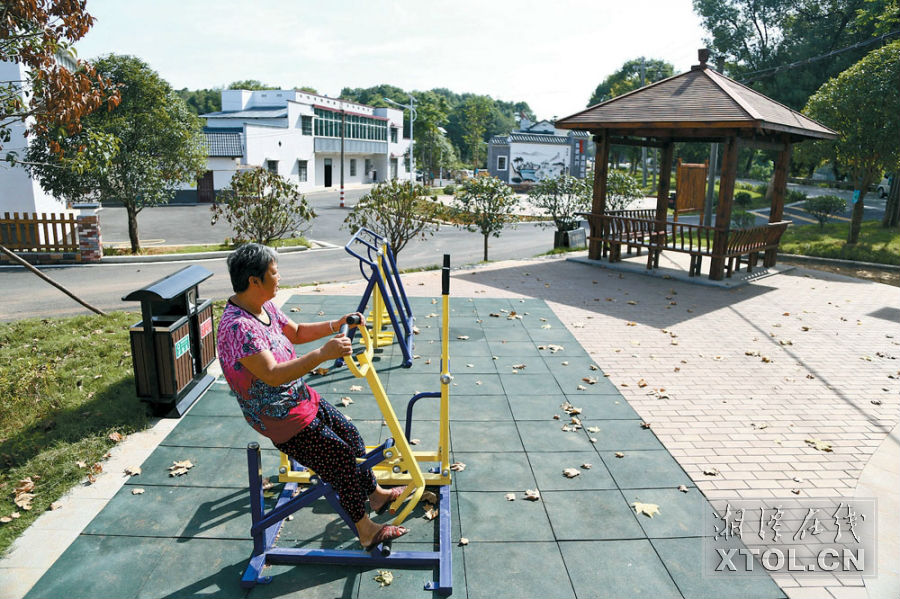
171, 355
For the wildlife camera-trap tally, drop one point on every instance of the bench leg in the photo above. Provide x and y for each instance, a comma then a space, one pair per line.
752, 260
730, 267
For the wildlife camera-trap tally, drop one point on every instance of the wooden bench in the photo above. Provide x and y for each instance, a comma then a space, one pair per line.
615, 229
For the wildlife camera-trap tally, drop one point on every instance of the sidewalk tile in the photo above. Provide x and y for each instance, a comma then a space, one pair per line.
613, 569
529, 570
488, 516
590, 515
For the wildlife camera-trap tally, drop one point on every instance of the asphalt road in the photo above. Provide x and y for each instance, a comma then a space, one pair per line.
24, 295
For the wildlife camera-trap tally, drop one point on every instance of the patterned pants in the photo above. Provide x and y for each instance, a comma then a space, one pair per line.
329, 445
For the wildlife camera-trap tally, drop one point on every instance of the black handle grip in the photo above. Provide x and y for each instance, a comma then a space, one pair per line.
445, 276
352, 319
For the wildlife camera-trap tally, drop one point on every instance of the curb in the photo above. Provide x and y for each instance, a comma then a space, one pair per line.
318, 245
838, 262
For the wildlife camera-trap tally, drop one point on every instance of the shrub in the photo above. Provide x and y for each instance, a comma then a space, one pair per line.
741, 219
792, 196
262, 206
822, 207
561, 198
449, 190
762, 189
761, 171
743, 199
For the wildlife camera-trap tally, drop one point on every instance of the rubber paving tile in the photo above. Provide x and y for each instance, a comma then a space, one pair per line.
189, 536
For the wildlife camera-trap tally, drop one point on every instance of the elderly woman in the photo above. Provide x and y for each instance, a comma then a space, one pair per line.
256, 350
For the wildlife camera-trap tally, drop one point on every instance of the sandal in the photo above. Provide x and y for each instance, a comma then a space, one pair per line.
395, 493
386, 533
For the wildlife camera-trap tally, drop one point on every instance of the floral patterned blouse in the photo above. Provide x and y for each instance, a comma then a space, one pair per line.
279, 412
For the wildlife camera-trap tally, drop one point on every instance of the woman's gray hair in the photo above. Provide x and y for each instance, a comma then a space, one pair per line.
249, 260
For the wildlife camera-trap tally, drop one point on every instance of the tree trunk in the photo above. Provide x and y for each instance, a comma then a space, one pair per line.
856, 219
892, 206
132, 212
485, 247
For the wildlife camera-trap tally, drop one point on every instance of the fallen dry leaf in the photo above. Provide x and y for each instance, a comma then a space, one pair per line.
457, 466
510, 496
682, 488
818, 444
384, 577
322, 371
462, 337
589, 380
619, 454
96, 468
429, 497
581, 388
414, 441
630, 324
587, 466
5, 520
179, 468
571, 472
645, 425
133, 470
23, 500
26, 485
355, 388
532, 495
463, 541
295, 309
81, 464
642, 383
711, 472
593, 429
346, 401
647, 509
55, 506
593, 367
430, 512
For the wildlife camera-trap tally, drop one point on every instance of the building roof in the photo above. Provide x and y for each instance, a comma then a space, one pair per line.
261, 112
500, 140
697, 99
224, 145
537, 138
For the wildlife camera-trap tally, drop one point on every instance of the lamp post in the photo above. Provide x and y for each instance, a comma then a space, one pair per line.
412, 118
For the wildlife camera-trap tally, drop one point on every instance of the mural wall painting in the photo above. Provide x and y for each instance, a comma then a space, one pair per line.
534, 162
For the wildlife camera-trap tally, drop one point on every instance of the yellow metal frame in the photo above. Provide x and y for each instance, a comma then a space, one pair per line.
401, 464
379, 316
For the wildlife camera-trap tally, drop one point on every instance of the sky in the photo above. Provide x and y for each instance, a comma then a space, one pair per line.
551, 54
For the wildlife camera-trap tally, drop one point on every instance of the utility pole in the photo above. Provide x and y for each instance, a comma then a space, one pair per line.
342, 154
643, 148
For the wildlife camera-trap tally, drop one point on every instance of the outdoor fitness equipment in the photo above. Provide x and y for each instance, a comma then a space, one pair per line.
393, 462
378, 266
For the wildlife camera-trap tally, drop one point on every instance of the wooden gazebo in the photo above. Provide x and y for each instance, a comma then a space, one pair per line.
700, 105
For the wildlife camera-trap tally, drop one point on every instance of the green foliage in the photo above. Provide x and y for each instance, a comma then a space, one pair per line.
621, 189
792, 196
561, 198
752, 35
65, 385
628, 78
761, 171
741, 219
158, 143
262, 206
395, 210
449, 189
762, 189
486, 204
743, 199
251, 84
201, 101
823, 207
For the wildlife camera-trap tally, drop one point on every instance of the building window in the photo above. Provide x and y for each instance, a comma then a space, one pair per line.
328, 124
301, 170
353, 167
501, 163
393, 135
272, 165
307, 125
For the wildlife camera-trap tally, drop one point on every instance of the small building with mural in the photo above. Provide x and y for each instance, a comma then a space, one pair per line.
537, 151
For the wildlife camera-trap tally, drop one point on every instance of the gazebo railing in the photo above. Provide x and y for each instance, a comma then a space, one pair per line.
614, 229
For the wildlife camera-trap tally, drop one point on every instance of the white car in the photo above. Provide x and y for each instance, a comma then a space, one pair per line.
883, 188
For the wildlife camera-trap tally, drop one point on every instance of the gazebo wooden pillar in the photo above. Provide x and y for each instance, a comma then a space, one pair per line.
723, 209
779, 187
598, 205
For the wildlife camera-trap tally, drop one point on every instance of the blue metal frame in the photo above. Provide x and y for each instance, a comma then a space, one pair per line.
390, 286
265, 528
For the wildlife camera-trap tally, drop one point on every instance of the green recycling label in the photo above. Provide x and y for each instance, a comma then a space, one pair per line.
182, 346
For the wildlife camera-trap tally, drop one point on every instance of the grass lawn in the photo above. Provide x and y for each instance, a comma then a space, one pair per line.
196, 249
66, 384
876, 244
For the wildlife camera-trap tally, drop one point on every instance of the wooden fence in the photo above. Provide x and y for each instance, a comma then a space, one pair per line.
39, 232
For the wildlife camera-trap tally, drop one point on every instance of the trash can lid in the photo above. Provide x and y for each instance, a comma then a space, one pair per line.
170, 286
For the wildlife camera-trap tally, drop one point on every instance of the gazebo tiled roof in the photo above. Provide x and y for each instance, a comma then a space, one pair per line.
697, 99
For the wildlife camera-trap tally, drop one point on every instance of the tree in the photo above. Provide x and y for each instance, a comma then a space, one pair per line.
621, 189
53, 97
262, 206
202, 101
430, 144
863, 106
251, 84
486, 204
158, 145
758, 37
397, 211
823, 207
628, 78
476, 112
561, 198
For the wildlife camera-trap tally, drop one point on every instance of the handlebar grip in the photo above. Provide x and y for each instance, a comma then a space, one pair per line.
445, 276
353, 319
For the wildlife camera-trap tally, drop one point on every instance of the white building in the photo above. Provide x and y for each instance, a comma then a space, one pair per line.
298, 135
18, 191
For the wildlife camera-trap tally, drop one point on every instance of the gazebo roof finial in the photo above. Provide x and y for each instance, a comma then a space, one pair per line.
703, 55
